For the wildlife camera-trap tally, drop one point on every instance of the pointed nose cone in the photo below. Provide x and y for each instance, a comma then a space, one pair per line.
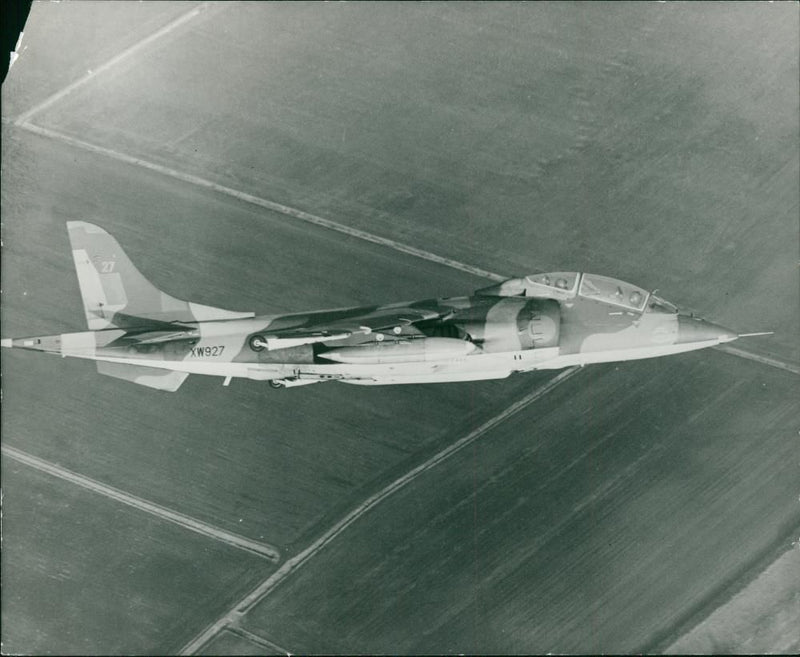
691, 329
726, 335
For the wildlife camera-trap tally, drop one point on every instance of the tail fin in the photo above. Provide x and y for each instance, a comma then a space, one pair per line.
114, 292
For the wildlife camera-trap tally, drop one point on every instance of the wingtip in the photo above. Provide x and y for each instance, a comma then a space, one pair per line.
6, 342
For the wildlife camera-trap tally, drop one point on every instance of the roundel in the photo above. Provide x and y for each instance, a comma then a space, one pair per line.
663, 334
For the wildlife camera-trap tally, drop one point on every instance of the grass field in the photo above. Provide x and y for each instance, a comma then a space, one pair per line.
62, 42
761, 619
595, 521
84, 575
654, 142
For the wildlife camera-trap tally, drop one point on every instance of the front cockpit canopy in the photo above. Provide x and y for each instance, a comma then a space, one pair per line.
613, 291
569, 285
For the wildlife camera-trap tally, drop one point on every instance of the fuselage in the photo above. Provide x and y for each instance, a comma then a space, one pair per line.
141, 334
489, 335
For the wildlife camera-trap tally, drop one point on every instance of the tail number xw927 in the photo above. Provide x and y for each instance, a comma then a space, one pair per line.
207, 352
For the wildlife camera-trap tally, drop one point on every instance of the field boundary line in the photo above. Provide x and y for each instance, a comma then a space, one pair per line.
187, 522
265, 203
255, 638
330, 224
291, 565
765, 360
723, 594
130, 50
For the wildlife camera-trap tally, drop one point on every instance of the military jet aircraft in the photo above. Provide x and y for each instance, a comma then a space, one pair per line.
541, 321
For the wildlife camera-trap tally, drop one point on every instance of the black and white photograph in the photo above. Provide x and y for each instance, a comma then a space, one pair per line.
410, 328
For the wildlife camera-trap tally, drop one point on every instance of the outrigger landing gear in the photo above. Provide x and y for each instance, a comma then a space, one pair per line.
257, 343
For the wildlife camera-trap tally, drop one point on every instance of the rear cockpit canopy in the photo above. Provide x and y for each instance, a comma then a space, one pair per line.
563, 285
554, 285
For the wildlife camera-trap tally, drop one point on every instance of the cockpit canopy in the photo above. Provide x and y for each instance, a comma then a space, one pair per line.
563, 285
555, 285
613, 291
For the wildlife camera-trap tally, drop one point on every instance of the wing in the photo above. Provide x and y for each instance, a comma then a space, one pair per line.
385, 319
139, 330
382, 319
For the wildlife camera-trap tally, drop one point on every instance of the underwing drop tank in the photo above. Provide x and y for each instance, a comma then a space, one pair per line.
399, 351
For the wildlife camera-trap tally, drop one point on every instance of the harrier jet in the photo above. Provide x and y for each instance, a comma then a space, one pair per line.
541, 321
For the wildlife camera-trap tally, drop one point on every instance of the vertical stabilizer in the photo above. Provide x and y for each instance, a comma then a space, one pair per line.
114, 292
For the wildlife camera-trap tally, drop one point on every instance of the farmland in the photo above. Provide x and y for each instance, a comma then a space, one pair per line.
83, 575
565, 529
653, 142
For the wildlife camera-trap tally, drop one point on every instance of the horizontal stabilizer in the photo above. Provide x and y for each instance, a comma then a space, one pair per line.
152, 377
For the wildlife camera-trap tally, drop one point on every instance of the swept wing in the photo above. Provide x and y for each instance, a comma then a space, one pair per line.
383, 319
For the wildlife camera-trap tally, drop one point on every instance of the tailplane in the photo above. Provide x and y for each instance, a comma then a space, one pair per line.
152, 377
114, 292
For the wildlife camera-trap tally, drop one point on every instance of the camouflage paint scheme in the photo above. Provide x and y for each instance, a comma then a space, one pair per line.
541, 321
